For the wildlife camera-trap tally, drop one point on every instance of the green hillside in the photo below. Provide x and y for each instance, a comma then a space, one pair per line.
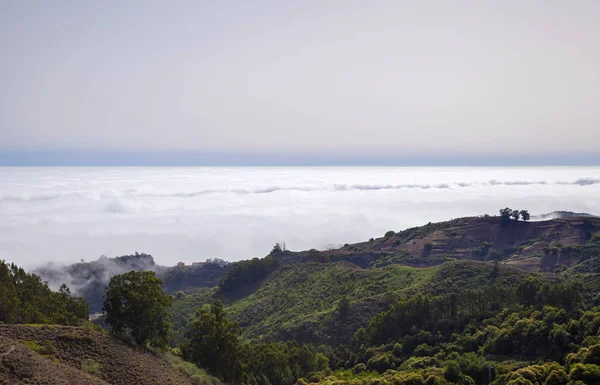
300, 301
466, 302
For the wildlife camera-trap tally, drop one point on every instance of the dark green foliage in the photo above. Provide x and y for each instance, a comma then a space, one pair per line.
452, 372
483, 250
279, 363
389, 234
24, 298
344, 307
247, 272
516, 215
588, 373
192, 278
214, 345
381, 362
505, 215
445, 314
527, 290
136, 305
213, 342
276, 249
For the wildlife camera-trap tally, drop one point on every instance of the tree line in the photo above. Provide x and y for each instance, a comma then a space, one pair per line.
25, 299
507, 214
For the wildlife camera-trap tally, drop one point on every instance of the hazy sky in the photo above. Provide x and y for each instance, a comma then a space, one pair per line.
300, 79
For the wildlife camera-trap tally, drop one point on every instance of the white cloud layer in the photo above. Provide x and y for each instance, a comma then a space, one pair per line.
190, 214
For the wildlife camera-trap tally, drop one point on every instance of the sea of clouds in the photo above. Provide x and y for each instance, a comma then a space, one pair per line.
190, 214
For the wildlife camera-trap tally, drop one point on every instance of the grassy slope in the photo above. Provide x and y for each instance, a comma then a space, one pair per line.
299, 301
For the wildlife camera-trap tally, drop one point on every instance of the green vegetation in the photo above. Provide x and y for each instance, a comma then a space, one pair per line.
91, 367
25, 299
302, 301
538, 331
248, 272
506, 214
136, 305
196, 375
402, 309
213, 343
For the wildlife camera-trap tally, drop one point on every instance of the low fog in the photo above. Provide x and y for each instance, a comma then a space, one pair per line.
63, 215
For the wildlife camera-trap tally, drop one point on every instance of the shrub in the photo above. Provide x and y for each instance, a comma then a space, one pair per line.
424, 350
452, 371
32, 345
196, 375
588, 373
75, 337
592, 355
397, 350
381, 362
389, 233
47, 348
91, 367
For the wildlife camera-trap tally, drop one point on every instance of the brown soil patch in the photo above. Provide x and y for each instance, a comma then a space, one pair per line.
71, 355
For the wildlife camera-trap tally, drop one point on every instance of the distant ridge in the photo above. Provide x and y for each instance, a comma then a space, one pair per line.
559, 215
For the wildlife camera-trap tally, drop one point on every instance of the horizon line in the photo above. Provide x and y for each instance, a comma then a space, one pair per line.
70, 158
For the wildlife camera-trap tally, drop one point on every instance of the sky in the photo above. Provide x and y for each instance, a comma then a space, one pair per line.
306, 82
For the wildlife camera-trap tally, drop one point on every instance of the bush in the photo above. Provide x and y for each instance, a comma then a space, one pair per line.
424, 350
452, 372
397, 350
381, 362
91, 367
588, 373
196, 375
389, 234
47, 348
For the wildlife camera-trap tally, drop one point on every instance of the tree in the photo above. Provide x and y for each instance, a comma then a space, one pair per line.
495, 269
344, 307
527, 290
525, 215
213, 342
135, 304
505, 215
276, 249
515, 214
